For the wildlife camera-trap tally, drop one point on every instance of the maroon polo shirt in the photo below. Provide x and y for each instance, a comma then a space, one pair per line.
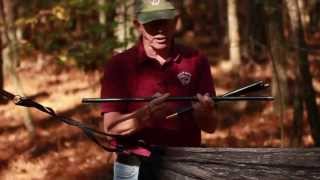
132, 74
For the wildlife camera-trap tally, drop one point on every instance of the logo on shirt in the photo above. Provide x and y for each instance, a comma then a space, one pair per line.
155, 2
184, 78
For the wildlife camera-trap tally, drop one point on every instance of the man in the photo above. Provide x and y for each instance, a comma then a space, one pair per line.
157, 66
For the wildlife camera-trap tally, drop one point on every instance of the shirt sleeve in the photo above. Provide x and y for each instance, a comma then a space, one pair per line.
205, 79
114, 85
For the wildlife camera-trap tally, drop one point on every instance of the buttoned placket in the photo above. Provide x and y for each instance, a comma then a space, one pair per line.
162, 75
161, 70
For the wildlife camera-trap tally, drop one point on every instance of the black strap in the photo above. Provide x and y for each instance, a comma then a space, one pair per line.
123, 143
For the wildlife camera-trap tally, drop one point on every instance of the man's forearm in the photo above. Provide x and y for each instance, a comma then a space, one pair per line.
125, 127
124, 124
117, 123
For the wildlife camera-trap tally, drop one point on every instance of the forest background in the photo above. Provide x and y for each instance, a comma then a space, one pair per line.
54, 51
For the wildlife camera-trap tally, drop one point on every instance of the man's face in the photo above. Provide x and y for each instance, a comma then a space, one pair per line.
158, 34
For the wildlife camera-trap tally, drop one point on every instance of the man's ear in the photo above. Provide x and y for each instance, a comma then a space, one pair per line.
176, 19
136, 24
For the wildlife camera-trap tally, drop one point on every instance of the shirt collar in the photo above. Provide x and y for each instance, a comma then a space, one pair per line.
142, 56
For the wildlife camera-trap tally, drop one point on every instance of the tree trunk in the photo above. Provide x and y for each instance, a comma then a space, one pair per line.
11, 55
297, 89
234, 36
186, 23
315, 16
256, 30
304, 14
278, 57
216, 27
102, 15
245, 12
1, 71
124, 18
233, 163
303, 73
222, 6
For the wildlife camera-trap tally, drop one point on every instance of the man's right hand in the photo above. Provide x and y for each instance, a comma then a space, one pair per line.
155, 108
125, 124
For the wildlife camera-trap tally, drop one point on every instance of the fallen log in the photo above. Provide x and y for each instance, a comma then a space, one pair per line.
233, 163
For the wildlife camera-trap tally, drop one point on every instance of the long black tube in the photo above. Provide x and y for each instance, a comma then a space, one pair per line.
231, 96
174, 98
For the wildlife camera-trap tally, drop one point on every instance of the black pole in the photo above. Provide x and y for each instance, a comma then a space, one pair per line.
174, 98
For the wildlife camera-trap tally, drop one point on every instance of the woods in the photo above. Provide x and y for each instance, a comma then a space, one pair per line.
54, 52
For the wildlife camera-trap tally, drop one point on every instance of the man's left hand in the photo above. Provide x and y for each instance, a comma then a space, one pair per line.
205, 104
204, 113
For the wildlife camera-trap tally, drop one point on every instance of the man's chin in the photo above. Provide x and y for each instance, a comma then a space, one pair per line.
160, 46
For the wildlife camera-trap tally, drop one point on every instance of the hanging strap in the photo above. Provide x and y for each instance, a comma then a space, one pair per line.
123, 145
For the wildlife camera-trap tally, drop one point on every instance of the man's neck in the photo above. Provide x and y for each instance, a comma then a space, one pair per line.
160, 55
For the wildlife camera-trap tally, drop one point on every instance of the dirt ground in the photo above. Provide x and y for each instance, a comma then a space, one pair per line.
63, 152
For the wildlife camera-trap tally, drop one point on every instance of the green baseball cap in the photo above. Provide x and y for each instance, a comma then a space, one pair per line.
151, 10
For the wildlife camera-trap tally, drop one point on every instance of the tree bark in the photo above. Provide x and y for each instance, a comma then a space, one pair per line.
296, 134
302, 71
256, 30
234, 163
222, 6
124, 18
186, 23
102, 15
234, 35
315, 16
278, 57
11, 55
245, 12
217, 23
304, 14
1, 71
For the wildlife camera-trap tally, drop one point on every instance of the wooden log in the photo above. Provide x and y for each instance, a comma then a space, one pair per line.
236, 163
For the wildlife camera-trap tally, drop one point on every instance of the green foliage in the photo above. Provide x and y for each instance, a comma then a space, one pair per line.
71, 30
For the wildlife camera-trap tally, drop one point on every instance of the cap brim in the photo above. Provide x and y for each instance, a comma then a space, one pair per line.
147, 17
